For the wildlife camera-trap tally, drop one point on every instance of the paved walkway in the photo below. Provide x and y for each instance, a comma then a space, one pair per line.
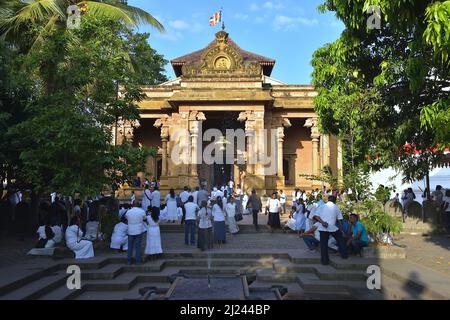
431, 252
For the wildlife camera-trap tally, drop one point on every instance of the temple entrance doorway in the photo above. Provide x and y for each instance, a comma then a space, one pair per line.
219, 174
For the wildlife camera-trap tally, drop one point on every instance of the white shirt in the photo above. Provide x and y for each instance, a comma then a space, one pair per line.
136, 218
191, 210
238, 194
184, 196
329, 213
274, 205
156, 199
205, 218
195, 195
230, 209
283, 198
231, 184
217, 213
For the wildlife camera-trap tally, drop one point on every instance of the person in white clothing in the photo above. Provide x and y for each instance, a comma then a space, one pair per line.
146, 198
274, 207
153, 246
230, 211
172, 207
238, 196
328, 215
92, 229
219, 221
133, 198
156, 200
297, 219
195, 195
283, 202
185, 195
136, 218
119, 238
191, 209
204, 239
82, 248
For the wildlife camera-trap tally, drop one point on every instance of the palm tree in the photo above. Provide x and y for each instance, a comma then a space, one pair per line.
17, 15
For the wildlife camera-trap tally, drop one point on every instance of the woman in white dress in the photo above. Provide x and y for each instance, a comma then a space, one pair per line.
172, 207
83, 249
297, 219
230, 211
119, 238
244, 204
153, 246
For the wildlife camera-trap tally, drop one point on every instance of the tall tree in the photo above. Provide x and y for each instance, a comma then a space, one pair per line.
398, 74
67, 137
16, 16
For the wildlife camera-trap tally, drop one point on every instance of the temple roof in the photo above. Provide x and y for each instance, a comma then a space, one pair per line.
267, 64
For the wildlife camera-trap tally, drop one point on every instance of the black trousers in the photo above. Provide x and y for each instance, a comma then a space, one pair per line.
255, 218
324, 236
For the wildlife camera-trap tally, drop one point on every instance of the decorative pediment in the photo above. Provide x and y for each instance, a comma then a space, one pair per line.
222, 60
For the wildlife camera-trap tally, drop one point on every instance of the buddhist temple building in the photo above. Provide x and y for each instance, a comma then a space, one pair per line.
224, 87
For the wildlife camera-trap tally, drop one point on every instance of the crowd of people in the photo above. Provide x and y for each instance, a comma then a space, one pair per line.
207, 218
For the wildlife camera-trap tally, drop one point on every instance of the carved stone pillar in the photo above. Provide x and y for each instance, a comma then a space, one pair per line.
195, 119
325, 150
313, 123
251, 157
163, 124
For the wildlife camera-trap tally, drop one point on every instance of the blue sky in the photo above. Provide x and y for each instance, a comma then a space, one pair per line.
286, 30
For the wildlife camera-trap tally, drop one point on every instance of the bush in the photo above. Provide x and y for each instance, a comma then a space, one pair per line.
374, 218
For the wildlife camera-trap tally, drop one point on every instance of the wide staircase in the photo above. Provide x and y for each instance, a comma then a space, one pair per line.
296, 275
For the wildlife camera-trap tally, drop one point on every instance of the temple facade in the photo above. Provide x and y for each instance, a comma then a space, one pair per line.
224, 89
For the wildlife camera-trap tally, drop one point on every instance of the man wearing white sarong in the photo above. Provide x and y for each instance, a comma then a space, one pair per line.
119, 238
230, 211
171, 205
146, 198
83, 249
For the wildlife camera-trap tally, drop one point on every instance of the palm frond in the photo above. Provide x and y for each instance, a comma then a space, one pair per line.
110, 11
142, 16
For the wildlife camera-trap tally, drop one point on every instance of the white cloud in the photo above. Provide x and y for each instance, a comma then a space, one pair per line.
241, 16
287, 22
169, 35
273, 6
254, 7
179, 24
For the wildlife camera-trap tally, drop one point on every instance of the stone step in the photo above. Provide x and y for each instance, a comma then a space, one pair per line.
223, 255
61, 293
313, 283
108, 272
133, 294
214, 263
323, 272
35, 289
243, 228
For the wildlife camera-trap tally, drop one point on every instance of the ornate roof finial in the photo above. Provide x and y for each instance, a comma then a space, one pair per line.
223, 25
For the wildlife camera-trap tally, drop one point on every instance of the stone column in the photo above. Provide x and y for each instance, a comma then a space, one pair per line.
315, 138
280, 142
164, 125
325, 150
251, 157
195, 119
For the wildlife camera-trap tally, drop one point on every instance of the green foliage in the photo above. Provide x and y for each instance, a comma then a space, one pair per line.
380, 90
373, 217
71, 108
16, 17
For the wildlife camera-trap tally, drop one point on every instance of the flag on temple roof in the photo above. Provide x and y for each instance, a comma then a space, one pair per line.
215, 19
